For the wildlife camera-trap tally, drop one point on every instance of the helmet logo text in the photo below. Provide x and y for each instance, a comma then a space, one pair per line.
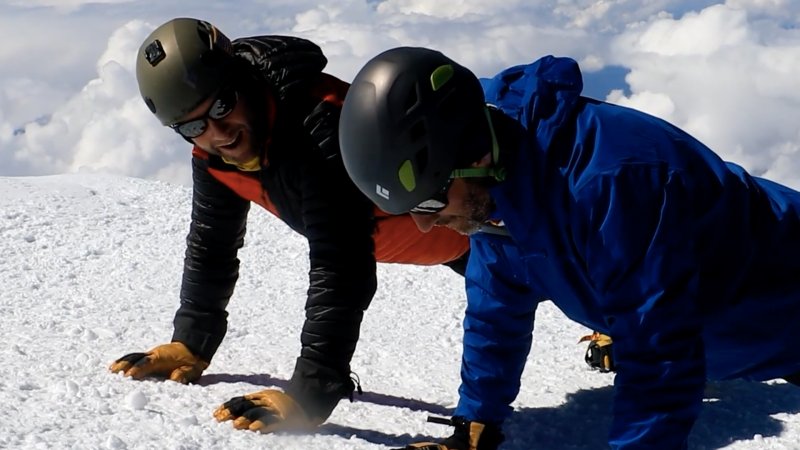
382, 191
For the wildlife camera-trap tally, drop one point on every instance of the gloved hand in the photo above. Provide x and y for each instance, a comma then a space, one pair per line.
174, 361
598, 354
467, 436
266, 411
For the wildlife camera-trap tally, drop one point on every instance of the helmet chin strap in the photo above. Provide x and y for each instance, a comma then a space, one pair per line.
494, 170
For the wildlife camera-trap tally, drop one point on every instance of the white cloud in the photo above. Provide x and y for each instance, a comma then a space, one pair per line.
27, 99
730, 81
449, 10
696, 33
656, 103
105, 127
67, 5
725, 71
780, 8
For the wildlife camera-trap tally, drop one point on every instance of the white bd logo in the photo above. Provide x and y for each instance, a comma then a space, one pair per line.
383, 192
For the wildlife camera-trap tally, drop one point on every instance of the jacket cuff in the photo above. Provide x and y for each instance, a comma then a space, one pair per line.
202, 345
318, 389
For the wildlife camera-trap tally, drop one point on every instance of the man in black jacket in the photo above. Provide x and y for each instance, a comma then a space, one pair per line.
263, 119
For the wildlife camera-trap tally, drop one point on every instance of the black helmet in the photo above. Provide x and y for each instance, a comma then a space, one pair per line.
410, 117
181, 64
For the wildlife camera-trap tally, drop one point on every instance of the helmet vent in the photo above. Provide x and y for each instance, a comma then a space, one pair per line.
214, 38
412, 100
417, 131
421, 159
149, 102
204, 31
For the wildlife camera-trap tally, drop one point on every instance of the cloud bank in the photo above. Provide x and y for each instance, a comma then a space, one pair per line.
724, 71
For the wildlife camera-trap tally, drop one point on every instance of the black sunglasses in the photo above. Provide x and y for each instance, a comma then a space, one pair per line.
435, 203
222, 106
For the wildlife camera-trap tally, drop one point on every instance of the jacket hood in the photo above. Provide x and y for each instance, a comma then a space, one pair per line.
541, 95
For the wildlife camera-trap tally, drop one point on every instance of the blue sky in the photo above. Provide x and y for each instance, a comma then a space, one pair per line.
724, 71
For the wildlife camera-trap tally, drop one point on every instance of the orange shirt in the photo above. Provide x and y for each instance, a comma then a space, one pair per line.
397, 238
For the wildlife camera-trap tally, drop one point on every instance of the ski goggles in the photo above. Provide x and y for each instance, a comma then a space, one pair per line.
435, 203
222, 106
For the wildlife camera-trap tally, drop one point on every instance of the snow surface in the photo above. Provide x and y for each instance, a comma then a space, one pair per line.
90, 270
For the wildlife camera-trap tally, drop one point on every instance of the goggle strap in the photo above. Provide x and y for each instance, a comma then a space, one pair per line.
495, 171
475, 172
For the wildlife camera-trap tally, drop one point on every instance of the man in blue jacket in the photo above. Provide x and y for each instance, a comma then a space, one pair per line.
628, 224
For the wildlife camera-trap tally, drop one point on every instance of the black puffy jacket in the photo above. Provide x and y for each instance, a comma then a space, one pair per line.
308, 188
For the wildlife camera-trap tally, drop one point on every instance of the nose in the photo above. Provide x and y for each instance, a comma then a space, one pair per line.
425, 222
215, 127
219, 133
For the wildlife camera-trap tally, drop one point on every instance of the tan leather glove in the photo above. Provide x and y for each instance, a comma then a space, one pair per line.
598, 354
266, 411
174, 361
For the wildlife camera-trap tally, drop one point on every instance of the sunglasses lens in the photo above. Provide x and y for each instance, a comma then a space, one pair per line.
434, 204
430, 206
224, 104
192, 128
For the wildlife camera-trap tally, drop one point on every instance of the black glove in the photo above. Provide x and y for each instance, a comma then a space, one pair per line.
598, 354
322, 124
467, 436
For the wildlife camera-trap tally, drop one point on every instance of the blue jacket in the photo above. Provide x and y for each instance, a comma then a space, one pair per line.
633, 228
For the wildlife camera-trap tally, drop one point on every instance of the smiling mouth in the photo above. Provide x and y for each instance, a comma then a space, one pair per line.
232, 143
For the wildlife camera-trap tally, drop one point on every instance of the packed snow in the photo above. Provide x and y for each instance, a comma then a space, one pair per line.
91, 268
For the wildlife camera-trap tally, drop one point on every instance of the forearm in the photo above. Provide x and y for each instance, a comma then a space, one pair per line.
342, 282
498, 329
200, 330
336, 303
494, 353
211, 266
339, 225
209, 277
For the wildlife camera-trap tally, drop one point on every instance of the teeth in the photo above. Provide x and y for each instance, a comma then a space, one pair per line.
231, 142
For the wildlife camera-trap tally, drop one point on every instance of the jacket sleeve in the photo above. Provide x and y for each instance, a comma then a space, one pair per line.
338, 223
211, 266
498, 327
644, 258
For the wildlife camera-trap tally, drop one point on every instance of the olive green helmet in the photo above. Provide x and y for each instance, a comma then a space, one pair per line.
411, 116
181, 64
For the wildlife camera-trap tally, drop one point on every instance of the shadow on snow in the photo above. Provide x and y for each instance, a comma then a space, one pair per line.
733, 411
